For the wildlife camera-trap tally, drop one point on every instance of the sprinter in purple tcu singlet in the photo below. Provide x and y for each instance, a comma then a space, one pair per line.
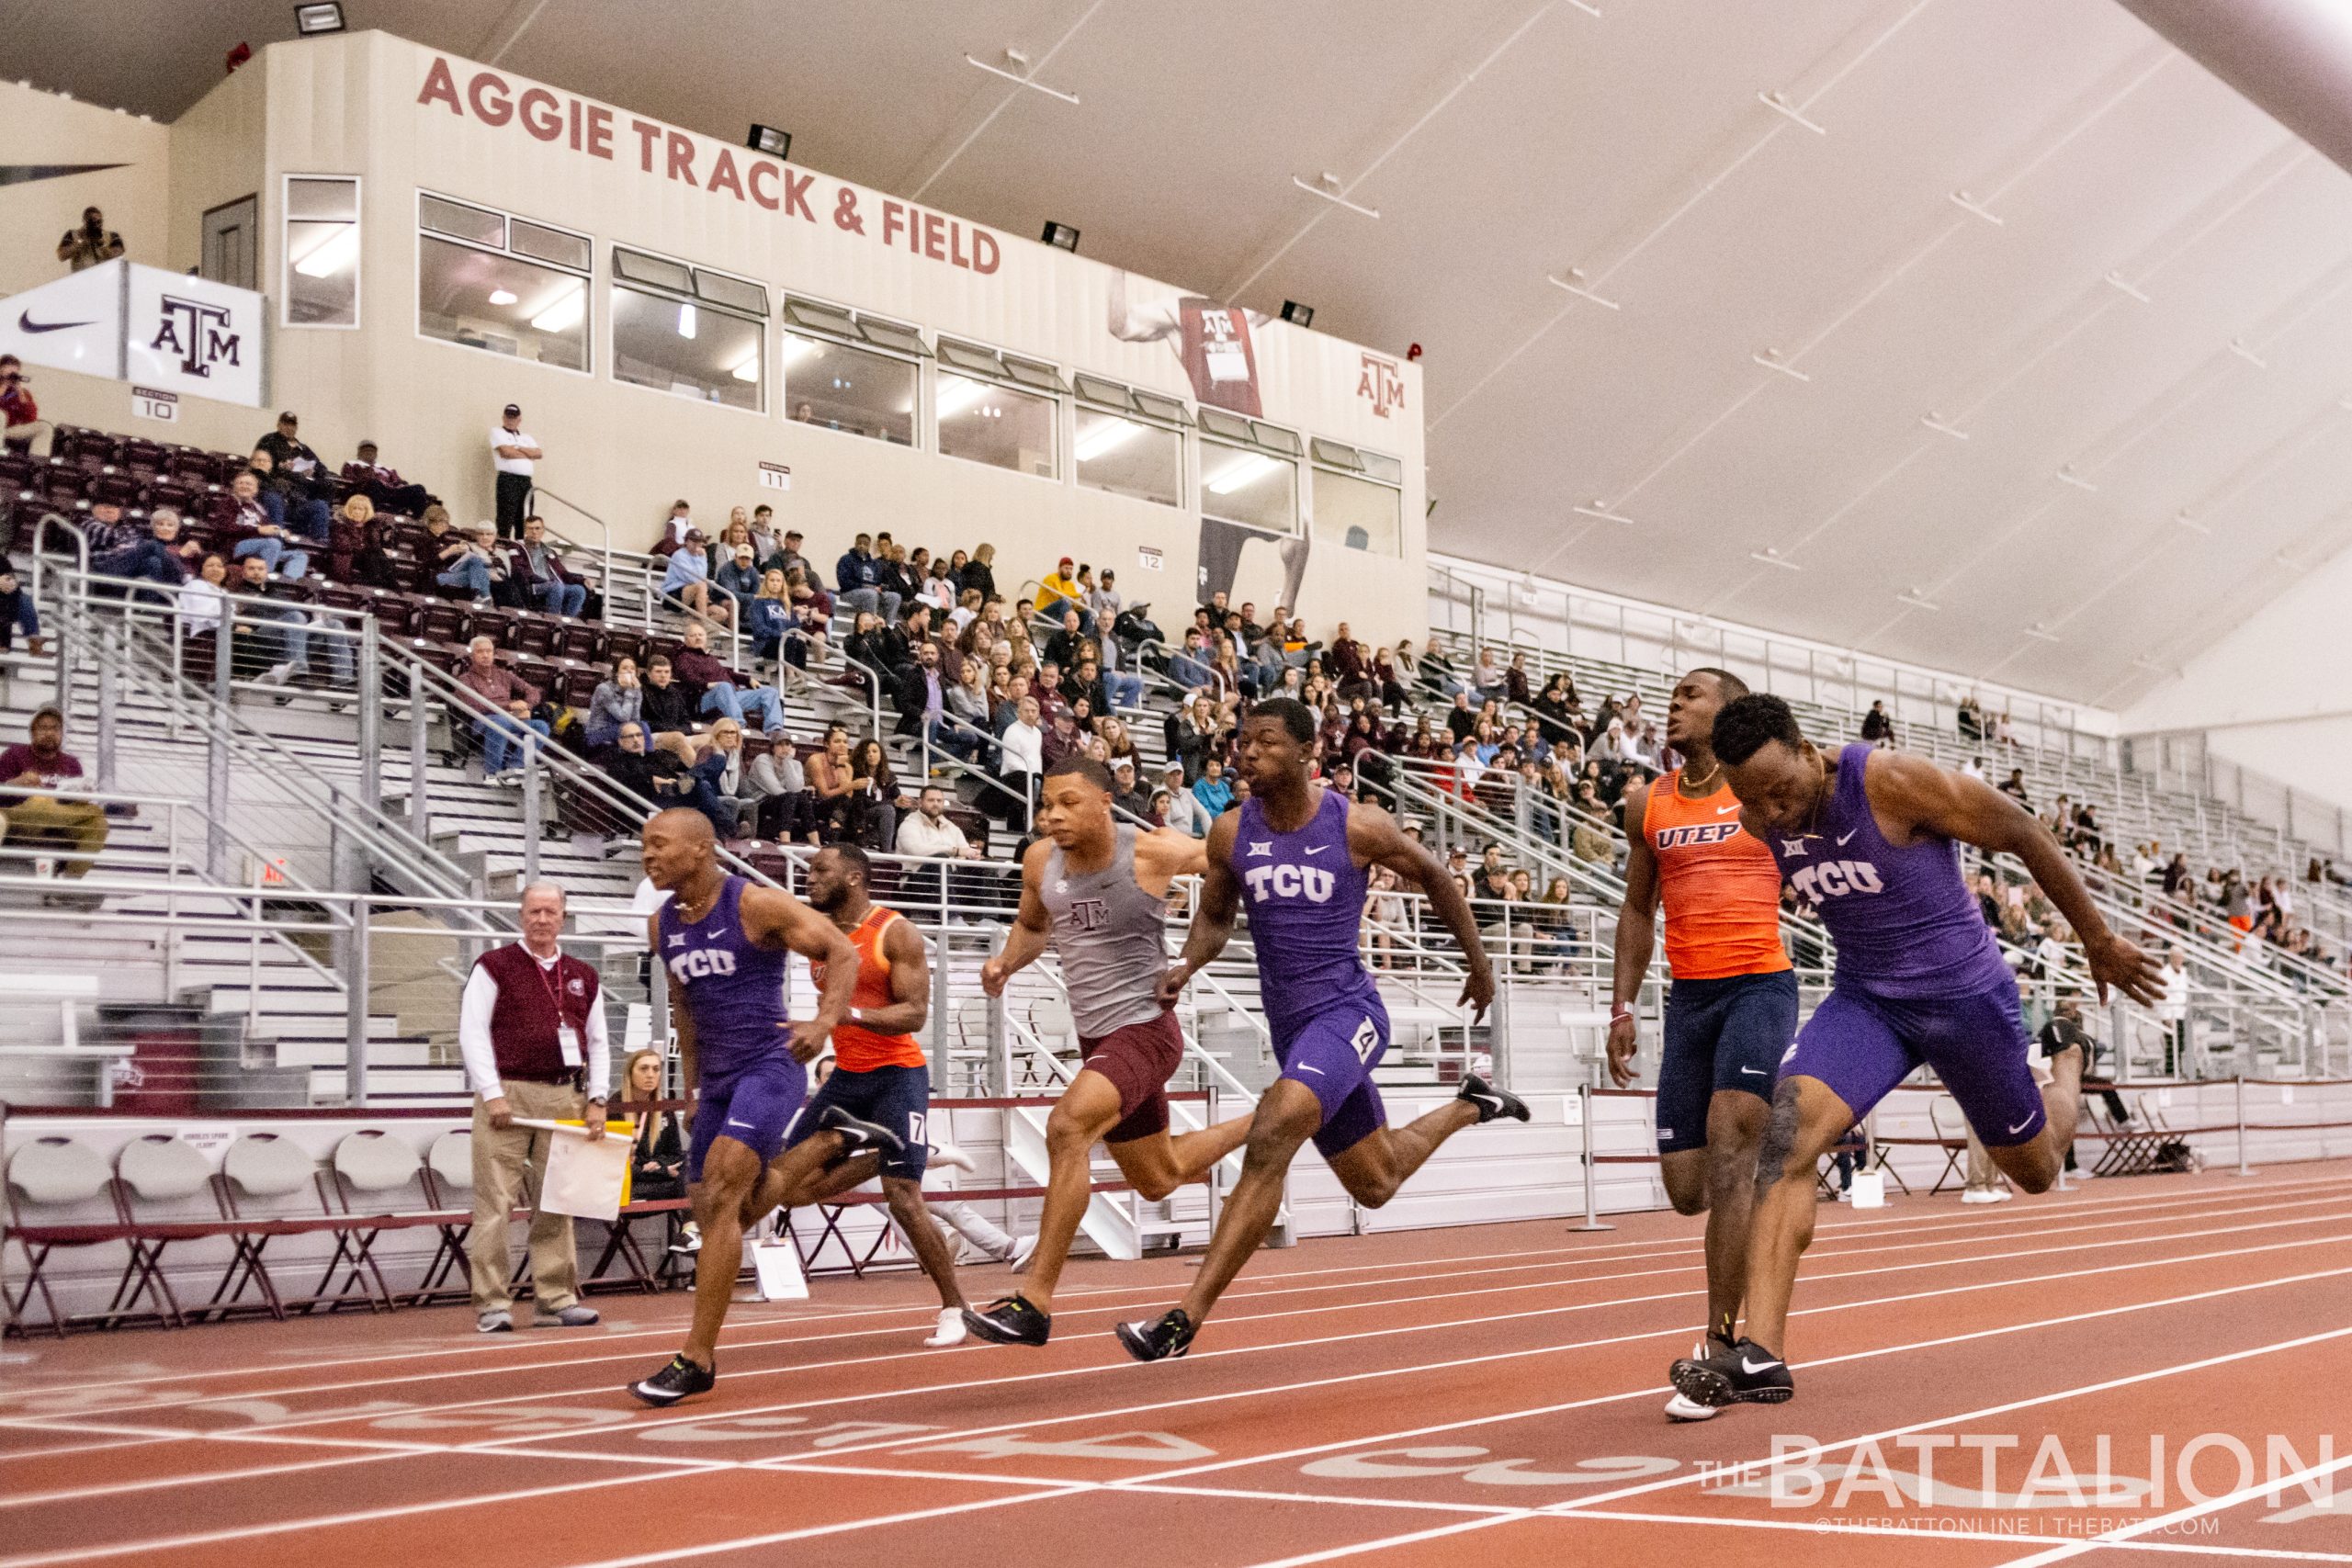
723, 942
1295, 853
1871, 840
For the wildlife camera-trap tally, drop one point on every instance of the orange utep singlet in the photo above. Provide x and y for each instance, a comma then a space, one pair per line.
857, 1049
1720, 885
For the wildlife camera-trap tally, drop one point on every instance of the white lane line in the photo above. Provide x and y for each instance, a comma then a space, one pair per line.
2198, 1200
2127, 1533
1574, 1507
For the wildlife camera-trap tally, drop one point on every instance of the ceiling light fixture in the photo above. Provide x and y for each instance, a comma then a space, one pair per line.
1917, 599
1966, 201
1935, 421
563, 312
1780, 105
1019, 74
1105, 436
502, 297
1770, 359
1298, 315
333, 252
317, 21
1575, 283
749, 370
1246, 470
1769, 556
1600, 509
1327, 187
955, 394
1061, 236
777, 143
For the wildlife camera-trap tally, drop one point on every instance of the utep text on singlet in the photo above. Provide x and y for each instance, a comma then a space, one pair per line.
734, 989
1904, 919
1304, 895
1720, 887
1108, 936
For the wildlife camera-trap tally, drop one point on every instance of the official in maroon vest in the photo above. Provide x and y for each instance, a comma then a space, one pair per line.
532, 1031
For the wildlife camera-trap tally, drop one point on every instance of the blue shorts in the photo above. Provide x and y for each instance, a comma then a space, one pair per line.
896, 1098
1861, 1046
1720, 1034
752, 1105
1333, 1053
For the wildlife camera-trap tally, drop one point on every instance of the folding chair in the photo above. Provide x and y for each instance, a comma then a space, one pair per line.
261, 1168
449, 1173
1955, 1148
369, 1163
158, 1169
56, 1174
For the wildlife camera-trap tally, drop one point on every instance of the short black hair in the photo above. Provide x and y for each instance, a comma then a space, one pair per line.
1746, 723
854, 856
1731, 685
1086, 768
1293, 715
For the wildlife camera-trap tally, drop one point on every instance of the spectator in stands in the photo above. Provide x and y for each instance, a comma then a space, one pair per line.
872, 817
1210, 789
829, 776
2237, 905
463, 561
646, 771
297, 468
714, 773
539, 575
261, 600
91, 244
202, 599
151, 555
656, 1149
930, 834
503, 705
256, 533
515, 456
1877, 729
2014, 787
667, 707
786, 557
1969, 720
355, 552
17, 614
1487, 678
1061, 586
1022, 746
686, 584
619, 699
383, 485
531, 1029
1190, 667
856, 578
738, 576
980, 571
20, 420
288, 501
34, 818
1062, 647
743, 700
674, 528
767, 616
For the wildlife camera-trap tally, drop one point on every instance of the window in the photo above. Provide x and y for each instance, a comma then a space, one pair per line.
322, 252
1248, 472
1125, 448
502, 284
689, 331
855, 374
995, 408
1358, 498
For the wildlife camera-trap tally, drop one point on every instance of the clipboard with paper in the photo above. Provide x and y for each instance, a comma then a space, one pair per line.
588, 1181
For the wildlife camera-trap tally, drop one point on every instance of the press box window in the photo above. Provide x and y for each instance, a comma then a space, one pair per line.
505, 285
1126, 446
854, 374
995, 408
322, 252
1358, 498
1248, 472
689, 331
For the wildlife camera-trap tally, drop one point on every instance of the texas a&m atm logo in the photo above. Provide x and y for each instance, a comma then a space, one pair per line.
1382, 383
197, 332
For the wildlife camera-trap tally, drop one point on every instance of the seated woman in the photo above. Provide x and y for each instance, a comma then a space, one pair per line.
714, 775
766, 615
873, 814
657, 1148
616, 702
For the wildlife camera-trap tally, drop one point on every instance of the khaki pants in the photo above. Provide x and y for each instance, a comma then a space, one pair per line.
507, 1165
1983, 1174
41, 435
78, 823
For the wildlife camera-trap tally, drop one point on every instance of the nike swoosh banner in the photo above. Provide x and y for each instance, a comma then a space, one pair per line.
72, 322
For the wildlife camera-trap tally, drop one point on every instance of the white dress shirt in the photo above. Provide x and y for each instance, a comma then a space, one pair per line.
1025, 748
502, 436
918, 835
482, 1057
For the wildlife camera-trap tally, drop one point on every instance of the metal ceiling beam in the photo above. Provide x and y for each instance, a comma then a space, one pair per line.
2292, 58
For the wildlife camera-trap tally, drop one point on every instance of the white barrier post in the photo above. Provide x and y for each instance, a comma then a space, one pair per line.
2244, 1168
1591, 1200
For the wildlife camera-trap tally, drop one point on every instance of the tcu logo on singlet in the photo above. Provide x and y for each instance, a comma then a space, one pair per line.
1087, 914
1289, 882
701, 963
1696, 833
1837, 879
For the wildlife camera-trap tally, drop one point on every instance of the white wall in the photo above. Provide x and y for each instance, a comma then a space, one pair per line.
53, 128
2276, 694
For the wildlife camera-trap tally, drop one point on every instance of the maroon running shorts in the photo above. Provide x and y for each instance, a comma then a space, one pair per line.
1138, 1059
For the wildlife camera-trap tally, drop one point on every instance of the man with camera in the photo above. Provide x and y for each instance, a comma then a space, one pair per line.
20, 417
91, 244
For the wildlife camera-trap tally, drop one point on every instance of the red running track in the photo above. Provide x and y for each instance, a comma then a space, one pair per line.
2108, 1376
